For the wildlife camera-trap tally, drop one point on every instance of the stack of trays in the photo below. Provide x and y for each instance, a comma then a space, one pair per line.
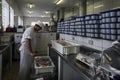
110, 25
92, 25
80, 26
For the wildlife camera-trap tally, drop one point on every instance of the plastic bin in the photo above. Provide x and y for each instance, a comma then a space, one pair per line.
65, 47
43, 68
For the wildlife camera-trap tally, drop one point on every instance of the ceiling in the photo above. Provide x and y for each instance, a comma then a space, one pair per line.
41, 6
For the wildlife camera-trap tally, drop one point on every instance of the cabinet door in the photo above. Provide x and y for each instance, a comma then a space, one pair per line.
69, 73
1, 67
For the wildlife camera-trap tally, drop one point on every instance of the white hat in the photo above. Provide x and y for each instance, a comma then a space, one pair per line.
39, 23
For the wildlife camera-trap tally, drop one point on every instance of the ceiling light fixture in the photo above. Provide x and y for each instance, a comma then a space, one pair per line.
98, 6
47, 12
116, 8
42, 16
58, 2
31, 5
30, 12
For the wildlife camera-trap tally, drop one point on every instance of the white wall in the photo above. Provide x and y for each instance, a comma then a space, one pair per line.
0, 13
93, 6
72, 11
5, 14
28, 20
98, 44
11, 17
15, 7
16, 10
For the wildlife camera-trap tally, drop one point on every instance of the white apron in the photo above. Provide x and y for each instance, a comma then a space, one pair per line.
26, 61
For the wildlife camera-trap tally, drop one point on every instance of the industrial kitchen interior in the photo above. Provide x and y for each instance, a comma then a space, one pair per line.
59, 39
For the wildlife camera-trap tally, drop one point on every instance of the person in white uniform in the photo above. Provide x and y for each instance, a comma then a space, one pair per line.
27, 51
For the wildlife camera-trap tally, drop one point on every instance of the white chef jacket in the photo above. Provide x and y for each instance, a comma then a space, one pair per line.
29, 34
25, 58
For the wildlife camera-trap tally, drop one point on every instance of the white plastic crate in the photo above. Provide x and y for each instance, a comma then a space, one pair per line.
43, 69
65, 47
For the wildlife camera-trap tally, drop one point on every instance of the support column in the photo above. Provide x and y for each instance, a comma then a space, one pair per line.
58, 15
83, 6
62, 13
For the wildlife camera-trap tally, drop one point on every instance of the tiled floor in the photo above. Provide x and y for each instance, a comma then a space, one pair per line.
12, 74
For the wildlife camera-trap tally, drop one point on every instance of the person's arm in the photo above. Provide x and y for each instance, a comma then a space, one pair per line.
28, 44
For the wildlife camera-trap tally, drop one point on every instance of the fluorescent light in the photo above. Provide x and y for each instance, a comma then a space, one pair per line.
116, 7
30, 5
42, 16
99, 6
47, 12
30, 12
58, 2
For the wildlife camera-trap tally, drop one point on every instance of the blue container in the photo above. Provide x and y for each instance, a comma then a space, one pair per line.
118, 12
107, 20
118, 19
118, 31
113, 13
95, 16
87, 17
112, 25
113, 19
118, 37
117, 25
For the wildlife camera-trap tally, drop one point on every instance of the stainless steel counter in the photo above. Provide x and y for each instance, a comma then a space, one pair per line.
78, 67
5, 57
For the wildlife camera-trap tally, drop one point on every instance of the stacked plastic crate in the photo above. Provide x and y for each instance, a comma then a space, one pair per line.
59, 27
110, 25
63, 27
92, 25
118, 24
72, 27
66, 26
80, 26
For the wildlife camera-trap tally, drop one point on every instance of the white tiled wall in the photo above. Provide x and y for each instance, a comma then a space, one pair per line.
93, 6
98, 44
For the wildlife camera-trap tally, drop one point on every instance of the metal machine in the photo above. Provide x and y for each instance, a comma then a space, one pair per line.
17, 39
110, 65
90, 57
104, 65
